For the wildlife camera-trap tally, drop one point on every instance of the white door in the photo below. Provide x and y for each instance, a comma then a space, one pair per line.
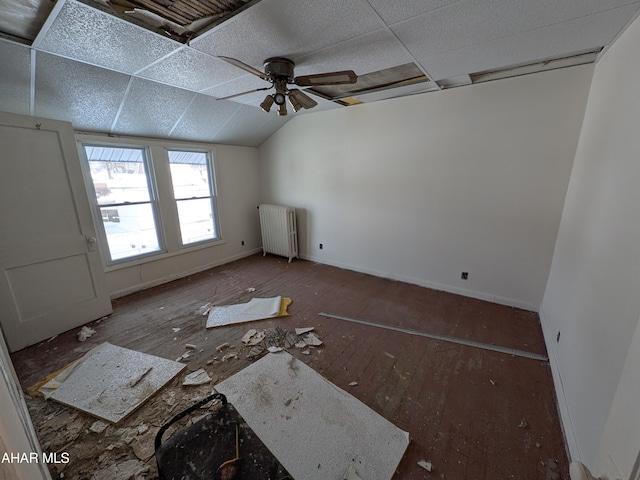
51, 274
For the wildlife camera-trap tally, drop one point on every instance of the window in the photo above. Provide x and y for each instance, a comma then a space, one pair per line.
191, 176
125, 199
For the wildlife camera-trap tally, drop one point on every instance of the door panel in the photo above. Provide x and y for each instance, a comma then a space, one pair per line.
51, 274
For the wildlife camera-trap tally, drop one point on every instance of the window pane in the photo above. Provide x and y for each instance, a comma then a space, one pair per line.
119, 174
196, 220
189, 174
130, 230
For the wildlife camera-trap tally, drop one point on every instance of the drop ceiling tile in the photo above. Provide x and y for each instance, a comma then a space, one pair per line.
582, 34
245, 83
89, 35
87, 96
365, 54
242, 126
288, 29
192, 69
204, 117
151, 109
469, 23
15, 77
392, 12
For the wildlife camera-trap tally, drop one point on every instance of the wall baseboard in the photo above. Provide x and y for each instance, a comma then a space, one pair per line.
182, 274
509, 302
563, 407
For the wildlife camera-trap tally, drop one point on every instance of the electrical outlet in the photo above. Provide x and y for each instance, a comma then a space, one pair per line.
558, 337
242, 242
465, 275
320, 246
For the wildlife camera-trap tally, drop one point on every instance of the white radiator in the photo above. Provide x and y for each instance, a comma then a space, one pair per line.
279, 234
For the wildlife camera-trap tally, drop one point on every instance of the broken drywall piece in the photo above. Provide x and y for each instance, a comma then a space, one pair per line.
184, 356
222, 347
274, 349
353, 384
302, 331
523, 424
229, 357
301, 344
85, 333
251, 289
305, 352
428, 466
246, 338
351, 473
312, 339
204, 309
175, 330
199, 377
253, 337
255, 309
98, 426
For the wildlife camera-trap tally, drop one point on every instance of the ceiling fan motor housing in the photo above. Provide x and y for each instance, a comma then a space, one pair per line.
279, 68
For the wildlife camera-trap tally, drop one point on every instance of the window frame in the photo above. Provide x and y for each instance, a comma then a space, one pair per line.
167, 221
97, 207
213, 195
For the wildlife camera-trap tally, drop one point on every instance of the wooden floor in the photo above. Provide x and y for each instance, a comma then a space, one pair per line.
473, 413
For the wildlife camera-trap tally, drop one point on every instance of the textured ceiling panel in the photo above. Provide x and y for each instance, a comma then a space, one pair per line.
87, 96
244, 83
204, 117
193, 70
242, 127
89, 35
470, 23
14, 78
151, 109
365, 54
392, 12
585, 33
287, 28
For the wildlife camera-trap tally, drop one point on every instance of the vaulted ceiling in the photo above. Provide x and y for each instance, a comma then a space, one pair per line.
152, 67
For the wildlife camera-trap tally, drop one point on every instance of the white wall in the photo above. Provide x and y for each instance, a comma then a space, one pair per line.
237, 181
424, 187
593, 293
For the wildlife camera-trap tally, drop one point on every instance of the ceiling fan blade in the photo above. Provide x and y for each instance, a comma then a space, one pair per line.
243, 93
303, 99
245, 67
329, 78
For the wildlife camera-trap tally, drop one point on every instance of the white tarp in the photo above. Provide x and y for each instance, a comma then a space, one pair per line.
316, 430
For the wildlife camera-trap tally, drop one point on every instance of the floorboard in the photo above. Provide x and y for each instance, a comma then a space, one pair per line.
475, 414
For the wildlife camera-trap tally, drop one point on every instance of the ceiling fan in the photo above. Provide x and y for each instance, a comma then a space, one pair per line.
279, 72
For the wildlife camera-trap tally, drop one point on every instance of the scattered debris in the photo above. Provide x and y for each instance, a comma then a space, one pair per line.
52, 338
275, 349
306, 352
223, 346
143, 427
204, 309
251, 289
353, 384
523, 424
302, 331
537, 444
389, 355
184, 356
199, 377
175, 329
492, 383
428, 466
85, 333
190, 346
98, 426
312, 339
253, 337
229, 357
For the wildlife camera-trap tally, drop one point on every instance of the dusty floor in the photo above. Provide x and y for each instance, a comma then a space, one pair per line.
473, 413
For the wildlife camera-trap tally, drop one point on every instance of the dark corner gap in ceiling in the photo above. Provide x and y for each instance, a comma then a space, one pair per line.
180, 20
385, 79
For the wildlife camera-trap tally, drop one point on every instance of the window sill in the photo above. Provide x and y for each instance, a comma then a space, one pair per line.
154, 257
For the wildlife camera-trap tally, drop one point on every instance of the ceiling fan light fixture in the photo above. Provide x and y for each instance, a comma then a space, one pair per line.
266, 104
295, 104
282, 110
279, 98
